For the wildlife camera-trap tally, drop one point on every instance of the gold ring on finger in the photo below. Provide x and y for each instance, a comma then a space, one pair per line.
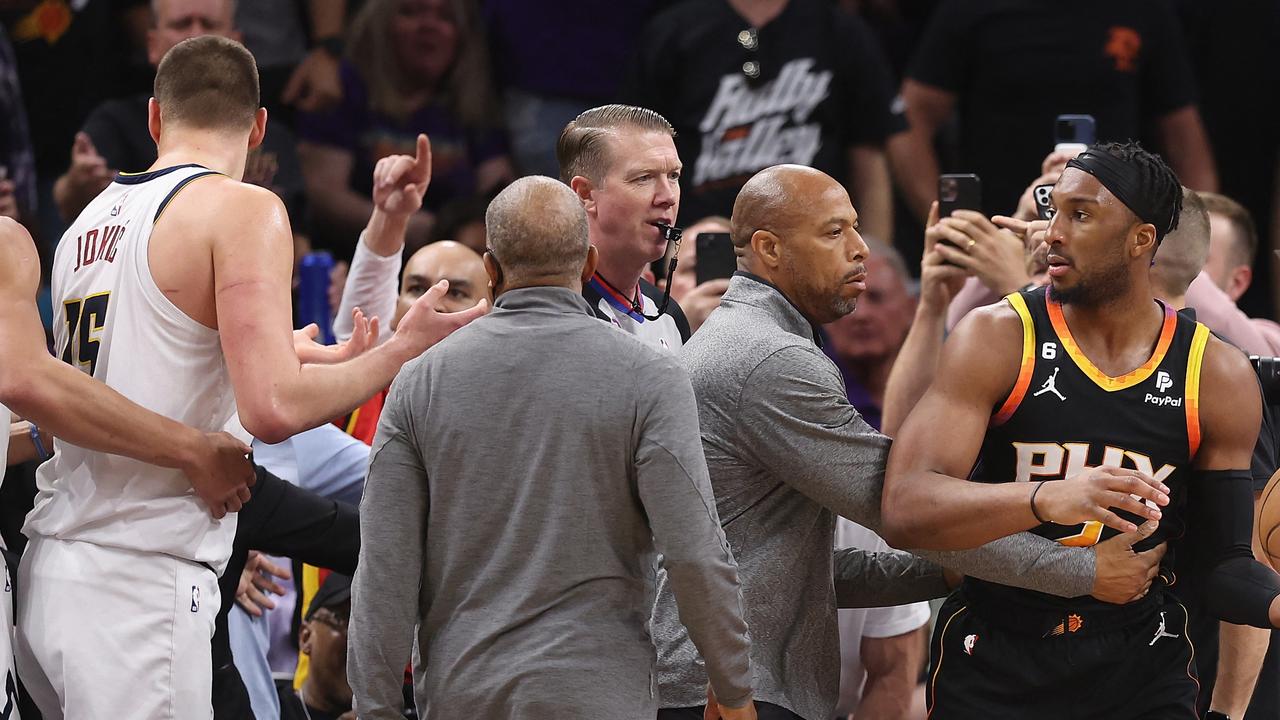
971, 244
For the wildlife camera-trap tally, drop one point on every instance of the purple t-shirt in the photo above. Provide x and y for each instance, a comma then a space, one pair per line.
456, 150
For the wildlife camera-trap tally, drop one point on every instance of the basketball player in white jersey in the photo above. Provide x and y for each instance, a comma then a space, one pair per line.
80, 410
173, 287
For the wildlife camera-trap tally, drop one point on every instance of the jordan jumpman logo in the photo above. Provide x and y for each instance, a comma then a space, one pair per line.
1049, 386
1161, 632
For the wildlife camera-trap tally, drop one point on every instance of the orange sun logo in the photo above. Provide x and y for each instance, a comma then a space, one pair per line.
1123, 46
49, 21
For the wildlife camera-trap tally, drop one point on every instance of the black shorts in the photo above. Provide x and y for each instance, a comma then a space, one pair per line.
983, 667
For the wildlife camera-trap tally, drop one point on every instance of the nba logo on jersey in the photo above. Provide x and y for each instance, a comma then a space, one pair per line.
969, 642
195, 599
1163, 381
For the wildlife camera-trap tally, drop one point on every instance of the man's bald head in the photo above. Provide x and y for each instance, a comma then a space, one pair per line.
536, 229
796, 228
444, 260
777, 199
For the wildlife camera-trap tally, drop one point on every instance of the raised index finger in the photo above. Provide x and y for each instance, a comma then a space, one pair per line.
422, 159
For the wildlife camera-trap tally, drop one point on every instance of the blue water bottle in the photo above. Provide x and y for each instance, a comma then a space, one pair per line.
313, 294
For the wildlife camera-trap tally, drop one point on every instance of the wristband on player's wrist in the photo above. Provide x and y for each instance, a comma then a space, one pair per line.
34, 431
1035, 512
1215, 715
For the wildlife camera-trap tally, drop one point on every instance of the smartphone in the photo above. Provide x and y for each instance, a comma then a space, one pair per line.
715, 257
1074, 133
1043, 197
959, 192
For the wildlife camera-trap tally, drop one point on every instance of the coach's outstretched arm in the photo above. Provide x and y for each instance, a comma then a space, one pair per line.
252, 257
927, 502
1237, 588
834, 457
82, 411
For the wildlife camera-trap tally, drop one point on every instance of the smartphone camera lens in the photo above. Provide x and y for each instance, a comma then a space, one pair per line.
948, 189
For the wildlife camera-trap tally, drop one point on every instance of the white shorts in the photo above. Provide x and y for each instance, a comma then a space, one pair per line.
110, 633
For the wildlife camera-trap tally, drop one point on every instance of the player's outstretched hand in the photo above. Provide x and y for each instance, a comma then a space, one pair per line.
256, 584
1095, 495
220, 473
364, 335
1122, 575
424, 326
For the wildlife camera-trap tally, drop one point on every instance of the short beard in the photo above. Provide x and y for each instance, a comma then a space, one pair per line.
843, 306
1108, 284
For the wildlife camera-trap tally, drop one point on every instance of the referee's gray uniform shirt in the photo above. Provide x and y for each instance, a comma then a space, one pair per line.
786, 452
524, 474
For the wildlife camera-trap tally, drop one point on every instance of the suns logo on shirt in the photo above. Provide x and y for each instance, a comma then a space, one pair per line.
1058, 461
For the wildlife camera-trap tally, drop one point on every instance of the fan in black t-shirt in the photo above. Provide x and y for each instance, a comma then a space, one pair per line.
1010, 67
809, 86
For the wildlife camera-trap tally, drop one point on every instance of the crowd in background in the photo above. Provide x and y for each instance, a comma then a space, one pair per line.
881, 94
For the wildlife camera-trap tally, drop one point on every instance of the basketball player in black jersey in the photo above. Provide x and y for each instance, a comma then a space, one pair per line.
1042, 395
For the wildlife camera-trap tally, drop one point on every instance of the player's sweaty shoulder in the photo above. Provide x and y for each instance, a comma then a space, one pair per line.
985, 351
218, 208
1230, 397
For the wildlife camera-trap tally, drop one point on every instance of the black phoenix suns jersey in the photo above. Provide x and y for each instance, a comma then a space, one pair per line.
1064, 415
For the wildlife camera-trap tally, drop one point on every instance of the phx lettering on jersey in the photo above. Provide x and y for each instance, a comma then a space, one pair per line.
747, 129
97, 245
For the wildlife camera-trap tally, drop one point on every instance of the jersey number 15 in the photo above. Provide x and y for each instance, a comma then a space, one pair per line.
85, 320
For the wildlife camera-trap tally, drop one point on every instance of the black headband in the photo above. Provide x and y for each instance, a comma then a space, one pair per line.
1125, 180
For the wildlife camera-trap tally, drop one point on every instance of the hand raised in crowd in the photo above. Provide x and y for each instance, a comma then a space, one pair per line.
400, 181
87, 174
699, 302
220, 472
423, 326
994, 255
256, 583
1033, 235
939, 281
315, 84
1050, 170
1091, 495
260, 168
363, 336
1122, 575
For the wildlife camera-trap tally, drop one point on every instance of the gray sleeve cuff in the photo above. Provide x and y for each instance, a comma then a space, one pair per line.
880, 579
1027, 561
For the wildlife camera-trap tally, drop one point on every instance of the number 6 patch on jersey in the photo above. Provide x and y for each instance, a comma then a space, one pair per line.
85, 320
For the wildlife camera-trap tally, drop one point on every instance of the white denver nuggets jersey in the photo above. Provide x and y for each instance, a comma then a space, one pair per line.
112, 321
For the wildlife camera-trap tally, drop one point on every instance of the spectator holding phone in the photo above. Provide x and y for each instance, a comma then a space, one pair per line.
698, 289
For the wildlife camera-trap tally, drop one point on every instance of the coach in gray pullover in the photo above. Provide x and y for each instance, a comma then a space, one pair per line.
787, 452
524, 474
